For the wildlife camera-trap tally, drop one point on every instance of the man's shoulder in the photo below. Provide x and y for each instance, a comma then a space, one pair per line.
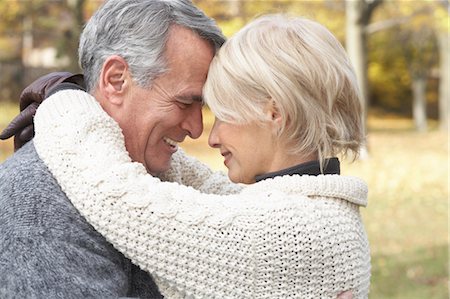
43, 235
22, 162
25, 173
29, 189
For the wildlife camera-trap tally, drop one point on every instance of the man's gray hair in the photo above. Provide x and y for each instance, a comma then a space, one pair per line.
137, 31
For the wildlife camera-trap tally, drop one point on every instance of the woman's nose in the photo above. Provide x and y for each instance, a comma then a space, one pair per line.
213, 139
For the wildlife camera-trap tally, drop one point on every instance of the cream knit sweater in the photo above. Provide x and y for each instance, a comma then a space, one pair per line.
287, 237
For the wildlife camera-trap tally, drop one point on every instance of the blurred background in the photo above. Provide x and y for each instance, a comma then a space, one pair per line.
400, 51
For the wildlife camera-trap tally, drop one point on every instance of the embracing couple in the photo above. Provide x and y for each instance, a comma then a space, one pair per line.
103, 204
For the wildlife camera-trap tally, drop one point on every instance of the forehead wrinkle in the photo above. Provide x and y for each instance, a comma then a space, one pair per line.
183, 97
161, 90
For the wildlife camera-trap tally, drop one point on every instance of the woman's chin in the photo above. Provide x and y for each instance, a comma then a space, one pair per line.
239, 179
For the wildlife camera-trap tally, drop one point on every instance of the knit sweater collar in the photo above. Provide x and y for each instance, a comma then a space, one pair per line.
72, 123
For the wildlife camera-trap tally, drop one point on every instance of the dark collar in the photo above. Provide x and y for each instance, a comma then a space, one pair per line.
64, 86
332, 166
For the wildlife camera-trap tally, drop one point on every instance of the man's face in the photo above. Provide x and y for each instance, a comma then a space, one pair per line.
156, 119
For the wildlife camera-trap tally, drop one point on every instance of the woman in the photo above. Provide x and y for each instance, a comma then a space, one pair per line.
286, 103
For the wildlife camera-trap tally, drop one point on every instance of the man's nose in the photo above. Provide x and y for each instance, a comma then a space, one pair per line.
213, 139
193, 122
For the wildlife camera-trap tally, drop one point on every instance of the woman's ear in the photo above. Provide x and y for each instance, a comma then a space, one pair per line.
273, 113
114, 79
273, 117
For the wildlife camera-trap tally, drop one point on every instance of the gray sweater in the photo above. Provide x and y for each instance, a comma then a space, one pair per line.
48, 250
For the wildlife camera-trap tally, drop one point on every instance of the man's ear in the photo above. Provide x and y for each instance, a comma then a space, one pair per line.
114, 79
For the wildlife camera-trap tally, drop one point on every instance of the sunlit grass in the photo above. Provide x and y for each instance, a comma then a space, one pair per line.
407, 216
406, 219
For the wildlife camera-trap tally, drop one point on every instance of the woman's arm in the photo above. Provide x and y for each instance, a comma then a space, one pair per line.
187, 239
200, 244
189, 171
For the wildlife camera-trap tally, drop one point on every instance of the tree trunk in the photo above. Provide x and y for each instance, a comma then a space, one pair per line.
444, 79
419, 103
73, 34
237, 10
27, 39
356, 49
355, 45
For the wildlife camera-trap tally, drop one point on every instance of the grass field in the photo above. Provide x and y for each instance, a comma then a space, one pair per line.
407, 216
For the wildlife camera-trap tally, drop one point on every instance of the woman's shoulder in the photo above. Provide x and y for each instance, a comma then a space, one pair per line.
342, 189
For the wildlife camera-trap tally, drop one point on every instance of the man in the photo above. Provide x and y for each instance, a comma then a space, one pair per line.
146, 63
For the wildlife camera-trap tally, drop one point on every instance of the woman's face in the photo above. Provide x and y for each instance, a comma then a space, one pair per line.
248, 150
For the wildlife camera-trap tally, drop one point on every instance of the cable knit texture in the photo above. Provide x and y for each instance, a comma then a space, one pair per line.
287, 237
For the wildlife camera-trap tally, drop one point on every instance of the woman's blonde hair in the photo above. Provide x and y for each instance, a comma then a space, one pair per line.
300, 66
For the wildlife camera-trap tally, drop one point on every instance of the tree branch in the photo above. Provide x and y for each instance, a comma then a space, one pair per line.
372, 5
385, 24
